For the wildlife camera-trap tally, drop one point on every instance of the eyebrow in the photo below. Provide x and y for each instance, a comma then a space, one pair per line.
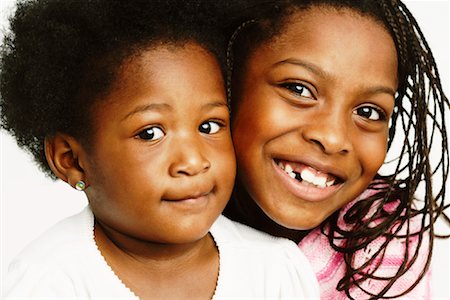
212, 105
307, 65
381, 90
321, 73
166, 107
148, 107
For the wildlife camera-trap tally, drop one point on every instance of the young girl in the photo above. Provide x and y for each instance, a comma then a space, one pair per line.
321, 90
125, 101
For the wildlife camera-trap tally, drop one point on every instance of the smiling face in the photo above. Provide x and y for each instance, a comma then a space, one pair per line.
161, 166
312, 114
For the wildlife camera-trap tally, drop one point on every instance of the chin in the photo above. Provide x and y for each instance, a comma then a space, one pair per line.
299, 221
303, 225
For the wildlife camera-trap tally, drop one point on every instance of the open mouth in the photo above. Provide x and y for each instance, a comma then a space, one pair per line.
308, 175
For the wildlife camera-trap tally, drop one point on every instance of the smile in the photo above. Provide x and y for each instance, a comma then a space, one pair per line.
307, 182
308, 174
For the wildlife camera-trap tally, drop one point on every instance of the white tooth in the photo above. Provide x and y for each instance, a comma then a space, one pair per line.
288, 168
280, 165
292, 174
330, 183
307, 176
320, 181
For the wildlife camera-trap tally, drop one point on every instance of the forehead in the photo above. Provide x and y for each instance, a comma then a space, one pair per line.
322, 24
335, 15
163, 68
176, 76
162, 61
334, 38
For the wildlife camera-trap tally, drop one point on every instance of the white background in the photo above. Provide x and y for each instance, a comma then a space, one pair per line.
30, 202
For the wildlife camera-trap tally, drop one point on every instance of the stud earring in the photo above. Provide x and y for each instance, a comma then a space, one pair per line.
80, 185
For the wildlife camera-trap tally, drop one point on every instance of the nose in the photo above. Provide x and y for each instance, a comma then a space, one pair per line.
188, 159
329, 131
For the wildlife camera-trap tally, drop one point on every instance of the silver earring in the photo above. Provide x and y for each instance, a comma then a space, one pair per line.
80, 185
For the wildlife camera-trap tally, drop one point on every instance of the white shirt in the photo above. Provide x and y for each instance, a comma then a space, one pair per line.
65, 263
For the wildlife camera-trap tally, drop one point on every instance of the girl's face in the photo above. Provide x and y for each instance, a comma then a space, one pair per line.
161, 167
313, 107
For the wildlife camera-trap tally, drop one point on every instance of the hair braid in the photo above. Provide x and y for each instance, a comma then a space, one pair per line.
422, 90
230, 57
417, 125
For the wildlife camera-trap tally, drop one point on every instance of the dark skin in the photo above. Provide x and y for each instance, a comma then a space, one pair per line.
310, 127
154, 199
154, 277
247, 212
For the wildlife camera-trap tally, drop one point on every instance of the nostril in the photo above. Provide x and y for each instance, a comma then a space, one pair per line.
190, 166
330, 146
182, 172
318, 143
330, 135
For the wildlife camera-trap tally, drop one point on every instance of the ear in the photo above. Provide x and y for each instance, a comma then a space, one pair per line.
63, 153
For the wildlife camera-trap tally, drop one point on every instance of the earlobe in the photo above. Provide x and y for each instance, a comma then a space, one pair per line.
62, 152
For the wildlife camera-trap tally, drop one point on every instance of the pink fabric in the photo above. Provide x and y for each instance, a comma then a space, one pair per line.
329, 265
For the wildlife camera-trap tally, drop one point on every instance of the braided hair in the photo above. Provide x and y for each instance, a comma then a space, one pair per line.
417, 125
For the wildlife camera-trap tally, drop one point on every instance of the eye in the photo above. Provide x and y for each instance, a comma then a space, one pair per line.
151, 134
298, 89
209, 127
370, 113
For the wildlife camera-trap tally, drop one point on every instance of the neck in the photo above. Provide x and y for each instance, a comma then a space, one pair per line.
147, 252
243, 209
151, 270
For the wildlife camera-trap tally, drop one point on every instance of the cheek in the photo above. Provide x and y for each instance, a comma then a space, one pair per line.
243, 129
372, 153
121, 170
225, 160
254, 122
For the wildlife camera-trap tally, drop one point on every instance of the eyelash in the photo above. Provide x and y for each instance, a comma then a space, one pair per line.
219, 124
148, 133
297, 89
382, 115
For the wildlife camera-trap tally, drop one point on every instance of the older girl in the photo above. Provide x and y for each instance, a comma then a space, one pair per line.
321, 91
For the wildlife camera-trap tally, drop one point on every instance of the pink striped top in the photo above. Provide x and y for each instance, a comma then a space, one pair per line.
329, 265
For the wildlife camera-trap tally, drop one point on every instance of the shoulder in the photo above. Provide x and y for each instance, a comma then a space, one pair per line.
59, 238
389, 258
273, 262
31, 280
47, 261
229, 231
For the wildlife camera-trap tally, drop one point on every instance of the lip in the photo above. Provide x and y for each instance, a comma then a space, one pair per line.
193, 197
309, 192
316, 164
190, 200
